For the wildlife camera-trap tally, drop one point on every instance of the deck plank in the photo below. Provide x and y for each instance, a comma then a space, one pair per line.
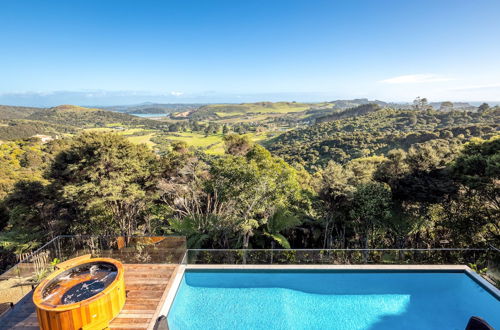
146, 286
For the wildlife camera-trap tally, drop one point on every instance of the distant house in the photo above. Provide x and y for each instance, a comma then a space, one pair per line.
43, 138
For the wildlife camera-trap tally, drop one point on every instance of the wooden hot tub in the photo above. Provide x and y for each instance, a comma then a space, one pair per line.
84, 293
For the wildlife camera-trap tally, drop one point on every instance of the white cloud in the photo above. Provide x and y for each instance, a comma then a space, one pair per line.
415, 79
175, 93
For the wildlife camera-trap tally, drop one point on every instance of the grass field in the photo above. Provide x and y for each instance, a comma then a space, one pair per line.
225, 110
229, 114
212, 144
142, 139
126, 131
246, 118
129, 134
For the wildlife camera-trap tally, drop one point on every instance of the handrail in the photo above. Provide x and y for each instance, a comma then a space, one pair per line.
494, 248
37, 250
85, 236
114, 236
185, 257
355, 249
58, 238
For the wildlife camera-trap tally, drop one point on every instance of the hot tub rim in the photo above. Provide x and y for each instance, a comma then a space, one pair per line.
37, 293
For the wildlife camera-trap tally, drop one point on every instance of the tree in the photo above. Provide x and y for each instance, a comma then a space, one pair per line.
105, 179
446, 106
180, 147
393, 168
478, 171
254, 185
281, 220
483, 107
419, 175
31, 217
363, 168
370, 209
404, 221
412, 120
478, 166
420, 103
4, 217
232, 197
335, 189
237, 145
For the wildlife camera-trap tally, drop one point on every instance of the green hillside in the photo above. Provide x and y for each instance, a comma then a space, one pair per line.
13, 112
21, 122
156, 108
84, 117
377, 132
225, 110
21, 129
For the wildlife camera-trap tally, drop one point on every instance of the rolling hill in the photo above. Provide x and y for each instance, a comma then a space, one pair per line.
377, 132
22, 122
352, 112
152, 108
14, 112
217, 111
84, 117
17, 129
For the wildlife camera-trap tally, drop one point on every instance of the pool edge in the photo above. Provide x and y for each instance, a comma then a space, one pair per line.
483, 283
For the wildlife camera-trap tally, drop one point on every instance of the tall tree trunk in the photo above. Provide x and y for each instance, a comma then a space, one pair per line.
272, 252
365, 247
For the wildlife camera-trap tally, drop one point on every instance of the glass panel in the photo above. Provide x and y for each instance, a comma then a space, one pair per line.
478, 257
16, 282
19, 280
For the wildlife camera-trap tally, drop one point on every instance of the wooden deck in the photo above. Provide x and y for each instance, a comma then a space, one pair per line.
146, 286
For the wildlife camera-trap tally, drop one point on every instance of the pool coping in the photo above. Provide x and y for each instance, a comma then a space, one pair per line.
415, 268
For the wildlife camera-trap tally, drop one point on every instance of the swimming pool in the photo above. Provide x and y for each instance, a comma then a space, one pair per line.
329, 299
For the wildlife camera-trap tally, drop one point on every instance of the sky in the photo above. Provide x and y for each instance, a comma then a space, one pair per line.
96, 52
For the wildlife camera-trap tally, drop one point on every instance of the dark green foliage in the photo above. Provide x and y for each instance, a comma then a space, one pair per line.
24, 129
226, 202
13, 112
84, 117
353, 112
237, 145
281, 220
30, 217
420, 175
105, 179
479, 164
378, 132
22, 123
370, 209
380, 178
477, 206
7, 259
4, 217
157, 108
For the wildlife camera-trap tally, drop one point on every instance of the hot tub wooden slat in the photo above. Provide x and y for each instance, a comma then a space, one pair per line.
92, 313
23, 316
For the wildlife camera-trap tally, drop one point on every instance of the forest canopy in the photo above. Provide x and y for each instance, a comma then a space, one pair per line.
371, 177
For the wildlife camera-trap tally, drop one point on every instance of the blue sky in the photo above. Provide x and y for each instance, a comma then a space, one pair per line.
119, 52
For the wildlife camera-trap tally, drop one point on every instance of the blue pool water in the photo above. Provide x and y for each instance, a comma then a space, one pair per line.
242, 299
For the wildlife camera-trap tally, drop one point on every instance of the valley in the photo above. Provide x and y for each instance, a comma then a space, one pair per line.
309, 134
